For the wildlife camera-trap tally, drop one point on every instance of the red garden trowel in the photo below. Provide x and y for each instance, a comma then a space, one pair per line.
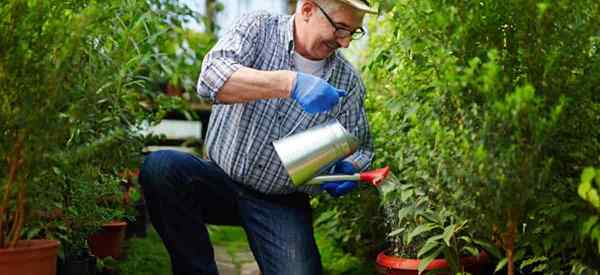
374, 177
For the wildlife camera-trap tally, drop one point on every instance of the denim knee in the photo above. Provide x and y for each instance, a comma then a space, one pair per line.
155, 169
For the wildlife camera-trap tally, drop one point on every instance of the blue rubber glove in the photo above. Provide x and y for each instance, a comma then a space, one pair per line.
314, 94
340, 188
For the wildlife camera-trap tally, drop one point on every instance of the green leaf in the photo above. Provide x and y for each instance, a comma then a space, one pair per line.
501, 264
533, 260
430, 217
467, 239
32, 233
418, 230
427, 248
489, 247
589, 224
57, 171
448, 233
587, 175
403, 213
585, 189
427, 260
540, 268
396, 232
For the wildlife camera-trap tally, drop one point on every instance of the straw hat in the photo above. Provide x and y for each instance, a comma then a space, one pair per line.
361, 5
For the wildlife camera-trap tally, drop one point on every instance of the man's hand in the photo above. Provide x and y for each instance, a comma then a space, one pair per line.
314, 94
340, 188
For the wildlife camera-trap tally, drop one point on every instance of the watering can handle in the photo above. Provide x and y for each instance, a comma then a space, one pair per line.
374, 177
330, 178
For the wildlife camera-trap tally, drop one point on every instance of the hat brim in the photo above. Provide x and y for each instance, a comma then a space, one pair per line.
359, 5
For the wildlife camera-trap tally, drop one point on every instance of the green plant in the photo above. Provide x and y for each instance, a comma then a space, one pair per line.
353, 222
72, 76
488, 106
589, 190
420, 229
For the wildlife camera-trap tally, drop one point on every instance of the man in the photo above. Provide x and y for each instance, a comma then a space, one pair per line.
268, 77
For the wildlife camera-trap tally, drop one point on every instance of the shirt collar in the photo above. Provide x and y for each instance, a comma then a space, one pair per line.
289, 34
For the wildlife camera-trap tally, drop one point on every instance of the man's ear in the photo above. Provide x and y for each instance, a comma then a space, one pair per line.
307, 9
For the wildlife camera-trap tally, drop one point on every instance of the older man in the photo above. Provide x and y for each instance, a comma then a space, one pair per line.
268, 77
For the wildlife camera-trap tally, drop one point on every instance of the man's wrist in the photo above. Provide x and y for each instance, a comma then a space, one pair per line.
286, 83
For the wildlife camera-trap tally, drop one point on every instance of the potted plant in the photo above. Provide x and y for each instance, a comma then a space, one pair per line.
70, 81
424, 237
107, 241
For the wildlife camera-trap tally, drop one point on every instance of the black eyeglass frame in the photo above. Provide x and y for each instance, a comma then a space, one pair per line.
342, 32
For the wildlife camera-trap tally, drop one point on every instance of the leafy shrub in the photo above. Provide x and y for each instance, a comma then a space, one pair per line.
488, 105
73, 75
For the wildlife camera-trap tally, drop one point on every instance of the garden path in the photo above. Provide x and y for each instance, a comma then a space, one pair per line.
240, 262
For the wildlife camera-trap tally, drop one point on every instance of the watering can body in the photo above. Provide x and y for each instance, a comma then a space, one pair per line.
311, 152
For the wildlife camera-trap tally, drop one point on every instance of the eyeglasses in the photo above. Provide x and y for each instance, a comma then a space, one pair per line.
341, 32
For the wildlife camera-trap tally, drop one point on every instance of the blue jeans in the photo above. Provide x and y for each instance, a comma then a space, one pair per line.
184, 193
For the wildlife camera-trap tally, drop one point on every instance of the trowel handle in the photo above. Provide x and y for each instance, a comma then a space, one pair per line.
330, 178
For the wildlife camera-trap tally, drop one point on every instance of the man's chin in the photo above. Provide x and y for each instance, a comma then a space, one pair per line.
328, 52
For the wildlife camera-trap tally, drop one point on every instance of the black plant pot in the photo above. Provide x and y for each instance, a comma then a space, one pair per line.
139, 227
82, 263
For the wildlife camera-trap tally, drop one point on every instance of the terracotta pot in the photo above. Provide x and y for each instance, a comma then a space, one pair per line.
34, 257
392, 265
108, 241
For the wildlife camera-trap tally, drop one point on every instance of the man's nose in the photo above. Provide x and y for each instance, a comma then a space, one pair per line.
344, 42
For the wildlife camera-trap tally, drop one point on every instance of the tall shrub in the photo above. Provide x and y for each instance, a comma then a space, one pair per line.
73, 75
490, 106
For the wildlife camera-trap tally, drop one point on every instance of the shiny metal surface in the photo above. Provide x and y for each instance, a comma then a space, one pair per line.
308, 153
330, 178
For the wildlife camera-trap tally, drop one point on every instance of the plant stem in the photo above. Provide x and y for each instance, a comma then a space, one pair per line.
509, 242
20, 213
14, 163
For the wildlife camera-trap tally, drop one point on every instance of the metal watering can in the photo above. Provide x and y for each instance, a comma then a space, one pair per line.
315, 150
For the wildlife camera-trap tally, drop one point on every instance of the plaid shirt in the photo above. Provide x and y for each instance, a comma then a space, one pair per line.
240, 136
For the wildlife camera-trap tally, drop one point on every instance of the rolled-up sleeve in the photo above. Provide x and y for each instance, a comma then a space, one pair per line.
354, 118
237, 48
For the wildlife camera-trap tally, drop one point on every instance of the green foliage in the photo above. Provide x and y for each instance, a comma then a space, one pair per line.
73, 76
424, 230
233, 238
352, 222
146, 256
336, 261
588, 190
489, 107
